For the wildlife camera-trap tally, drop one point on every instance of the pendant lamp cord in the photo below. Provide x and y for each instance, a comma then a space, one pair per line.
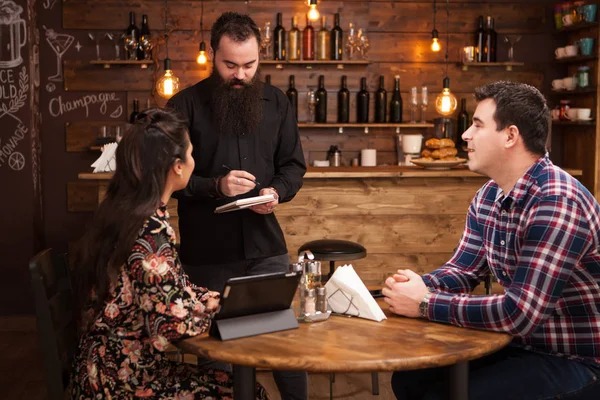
447, 32
166, 31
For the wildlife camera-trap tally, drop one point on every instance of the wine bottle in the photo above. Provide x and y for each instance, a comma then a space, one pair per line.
336, 38
463, 125
292, 95
396, 102
343, 110
132, 29
490, 40
268, 79
480, 41
321, 99
144, 37
362, 102
279, 39
380, 101
295, 42
323, 41
308, 41
135, 112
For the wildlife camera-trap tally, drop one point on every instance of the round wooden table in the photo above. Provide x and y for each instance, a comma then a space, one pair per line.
343, 344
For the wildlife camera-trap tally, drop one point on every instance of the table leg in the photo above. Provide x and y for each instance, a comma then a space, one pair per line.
244, 382
459, 381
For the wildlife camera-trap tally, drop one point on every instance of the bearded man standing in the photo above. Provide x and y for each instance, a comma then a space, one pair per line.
246, 143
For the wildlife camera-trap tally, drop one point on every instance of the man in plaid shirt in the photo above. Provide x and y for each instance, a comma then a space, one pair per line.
537, 230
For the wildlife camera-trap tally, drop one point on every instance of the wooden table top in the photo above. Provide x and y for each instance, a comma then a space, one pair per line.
343, 344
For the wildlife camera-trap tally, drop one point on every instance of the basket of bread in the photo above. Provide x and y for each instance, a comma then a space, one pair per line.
439, 154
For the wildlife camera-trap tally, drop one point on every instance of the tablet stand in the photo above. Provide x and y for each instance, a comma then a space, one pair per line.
255, 324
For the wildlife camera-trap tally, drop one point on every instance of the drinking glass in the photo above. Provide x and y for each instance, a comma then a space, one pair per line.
146, 46
351, 41
131, 46
511, 41
265, 45
311, 102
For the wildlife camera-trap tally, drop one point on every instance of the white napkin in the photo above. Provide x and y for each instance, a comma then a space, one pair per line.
347, 294
107, 162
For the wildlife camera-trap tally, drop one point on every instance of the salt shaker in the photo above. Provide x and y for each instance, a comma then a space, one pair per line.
309, 302
321, 299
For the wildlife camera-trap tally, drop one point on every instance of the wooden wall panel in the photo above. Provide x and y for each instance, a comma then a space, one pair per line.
82, 196
81, 135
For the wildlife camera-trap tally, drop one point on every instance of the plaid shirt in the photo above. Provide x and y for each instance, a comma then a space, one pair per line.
541, 242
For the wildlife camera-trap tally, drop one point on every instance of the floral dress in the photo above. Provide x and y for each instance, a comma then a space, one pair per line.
151, 303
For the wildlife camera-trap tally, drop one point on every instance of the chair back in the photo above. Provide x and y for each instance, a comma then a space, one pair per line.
55, 318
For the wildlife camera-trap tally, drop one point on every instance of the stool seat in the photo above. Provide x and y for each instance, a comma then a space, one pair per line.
334, 250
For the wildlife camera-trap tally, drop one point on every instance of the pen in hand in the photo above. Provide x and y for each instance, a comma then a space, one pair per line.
227, 167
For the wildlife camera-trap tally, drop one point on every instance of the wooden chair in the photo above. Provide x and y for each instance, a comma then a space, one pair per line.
55, 318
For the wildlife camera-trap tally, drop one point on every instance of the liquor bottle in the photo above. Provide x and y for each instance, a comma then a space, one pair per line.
490, 40
463, 125
321, 98
323, 41
292, 94
144, 37
132, 29
268, 79
279, 39
335, 40
295, 43
135, 112
308, 41
380, 101
343, 111
480, 41
396, 102
362, 102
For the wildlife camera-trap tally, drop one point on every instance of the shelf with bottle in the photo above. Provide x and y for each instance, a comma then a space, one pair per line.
340, 125
576, 59
502, 64
574, 92
109, 63
309, 64
574, 123
577, 27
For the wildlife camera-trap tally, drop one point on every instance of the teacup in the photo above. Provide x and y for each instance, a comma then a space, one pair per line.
589, 12
584, 113
571, 50
569, 83
557, 84
572, 113
586, 45
567, 20
555, 114
560, 52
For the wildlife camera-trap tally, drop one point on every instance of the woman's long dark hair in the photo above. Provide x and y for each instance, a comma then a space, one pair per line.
144, 156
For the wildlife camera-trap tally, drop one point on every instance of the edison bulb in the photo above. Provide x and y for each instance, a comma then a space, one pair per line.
445, 102
314, 14
168, 84
435, 45
202, 59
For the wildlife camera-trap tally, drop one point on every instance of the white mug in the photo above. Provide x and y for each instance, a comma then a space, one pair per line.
557, 84
584, 113
555, 114
412, 143
570, 50
559, 52
567, 20
569, 83
572, 113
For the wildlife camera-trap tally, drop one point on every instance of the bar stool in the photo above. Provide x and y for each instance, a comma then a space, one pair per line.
333, 250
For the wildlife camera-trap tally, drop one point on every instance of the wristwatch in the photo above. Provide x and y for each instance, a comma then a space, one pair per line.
424, 304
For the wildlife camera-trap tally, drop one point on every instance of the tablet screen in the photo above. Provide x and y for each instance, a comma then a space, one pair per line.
256, 294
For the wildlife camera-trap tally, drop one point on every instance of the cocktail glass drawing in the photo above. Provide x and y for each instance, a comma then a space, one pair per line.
59, 43
511, 41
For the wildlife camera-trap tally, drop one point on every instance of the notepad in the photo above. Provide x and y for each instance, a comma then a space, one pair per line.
245, 203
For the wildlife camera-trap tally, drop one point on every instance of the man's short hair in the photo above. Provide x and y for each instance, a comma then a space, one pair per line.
521, 105
239, 28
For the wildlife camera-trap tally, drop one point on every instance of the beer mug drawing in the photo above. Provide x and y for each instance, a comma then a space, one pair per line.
13, 34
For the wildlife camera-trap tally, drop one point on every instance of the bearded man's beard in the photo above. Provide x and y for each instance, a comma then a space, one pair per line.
236, 110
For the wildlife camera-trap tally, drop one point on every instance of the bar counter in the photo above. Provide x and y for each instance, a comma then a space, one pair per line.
406, 217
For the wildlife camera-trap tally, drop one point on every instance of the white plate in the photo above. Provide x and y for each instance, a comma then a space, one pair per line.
438, 164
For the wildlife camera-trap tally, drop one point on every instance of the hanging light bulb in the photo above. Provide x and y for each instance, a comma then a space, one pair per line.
168, 84
445, 102
313, 13
202, 58
435, 42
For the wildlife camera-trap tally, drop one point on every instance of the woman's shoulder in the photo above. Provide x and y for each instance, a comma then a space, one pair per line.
158, 225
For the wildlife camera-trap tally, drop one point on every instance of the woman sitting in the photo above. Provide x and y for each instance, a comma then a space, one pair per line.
133, 295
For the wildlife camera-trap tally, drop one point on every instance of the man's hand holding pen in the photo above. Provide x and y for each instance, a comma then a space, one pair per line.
237, 182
